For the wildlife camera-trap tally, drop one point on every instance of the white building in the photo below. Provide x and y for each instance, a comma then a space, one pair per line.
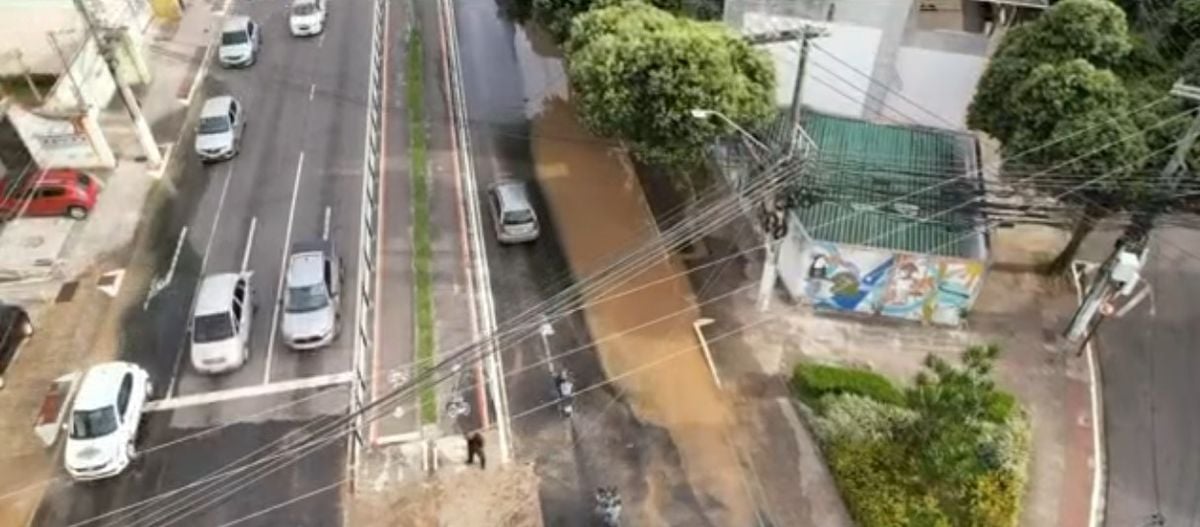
891, 61
51, 38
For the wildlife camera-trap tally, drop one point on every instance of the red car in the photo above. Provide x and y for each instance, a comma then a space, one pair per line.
54, 192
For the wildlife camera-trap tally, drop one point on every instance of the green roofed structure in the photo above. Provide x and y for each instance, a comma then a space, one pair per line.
881, 218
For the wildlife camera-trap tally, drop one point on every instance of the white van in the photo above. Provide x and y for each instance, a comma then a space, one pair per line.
220, 326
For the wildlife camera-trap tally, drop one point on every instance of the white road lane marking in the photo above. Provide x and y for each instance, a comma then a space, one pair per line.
249, 243
287, 243
203, 266
325, 231
312, 90
258, 390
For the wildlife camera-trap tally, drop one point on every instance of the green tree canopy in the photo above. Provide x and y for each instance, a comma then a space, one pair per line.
1091, 30
556, 15
637, 72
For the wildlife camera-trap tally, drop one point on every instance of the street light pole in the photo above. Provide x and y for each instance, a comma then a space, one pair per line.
104, 43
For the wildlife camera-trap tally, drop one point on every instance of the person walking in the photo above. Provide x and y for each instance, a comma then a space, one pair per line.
475, 448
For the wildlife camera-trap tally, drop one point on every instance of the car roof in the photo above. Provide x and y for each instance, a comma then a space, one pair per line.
216, 291
235, 23
306, 265
216, 106
512, 194
55, 176
100, 385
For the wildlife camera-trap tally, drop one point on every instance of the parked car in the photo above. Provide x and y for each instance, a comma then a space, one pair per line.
512, 212
15, 329
104, 420
52, 192
219, 133
241, 42
307, 17
220, 324
312, 298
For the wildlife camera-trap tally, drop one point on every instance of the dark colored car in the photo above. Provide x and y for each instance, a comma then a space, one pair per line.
15, 328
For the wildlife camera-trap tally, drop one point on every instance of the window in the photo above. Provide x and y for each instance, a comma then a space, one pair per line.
123, 394
89, 424
212, 328
306, 298
233, 38
304, 9
328, 273
237, 313
51, 192
214, 125
518, 217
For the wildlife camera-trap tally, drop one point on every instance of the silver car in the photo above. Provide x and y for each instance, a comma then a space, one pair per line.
219, 133
312, 298
512, 212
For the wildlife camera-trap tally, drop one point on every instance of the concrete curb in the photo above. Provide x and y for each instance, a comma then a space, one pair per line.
1099, 463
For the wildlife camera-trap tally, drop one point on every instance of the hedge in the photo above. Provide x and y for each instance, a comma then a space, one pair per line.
813, 381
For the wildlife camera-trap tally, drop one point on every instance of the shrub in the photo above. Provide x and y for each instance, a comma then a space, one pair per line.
855, 418
995, 499
813, 381
872, 478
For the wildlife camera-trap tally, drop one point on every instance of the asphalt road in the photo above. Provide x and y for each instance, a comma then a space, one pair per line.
604, 443
299, 169
1149, 364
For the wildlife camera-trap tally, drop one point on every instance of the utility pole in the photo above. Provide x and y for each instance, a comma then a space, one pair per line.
774, 221
105, 38
1120, 271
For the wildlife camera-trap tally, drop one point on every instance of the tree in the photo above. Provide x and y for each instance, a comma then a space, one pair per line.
636, 73
1049, 79
556, 15
1091, 30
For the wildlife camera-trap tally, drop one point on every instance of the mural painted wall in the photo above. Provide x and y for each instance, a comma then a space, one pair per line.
915, 287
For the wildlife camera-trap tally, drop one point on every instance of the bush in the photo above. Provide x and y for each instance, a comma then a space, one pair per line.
871, 476
813, 381
855, 418
995, 499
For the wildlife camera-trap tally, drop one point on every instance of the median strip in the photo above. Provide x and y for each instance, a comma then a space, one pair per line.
423, 251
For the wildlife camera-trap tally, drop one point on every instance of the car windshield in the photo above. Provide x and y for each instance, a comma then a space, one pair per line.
214, 125
518, 217
88, 424
233, 38
213, 328
304, 9
306, 298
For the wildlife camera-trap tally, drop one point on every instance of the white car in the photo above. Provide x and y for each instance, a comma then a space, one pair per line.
220, 325
104, 421
307, 17
240, 42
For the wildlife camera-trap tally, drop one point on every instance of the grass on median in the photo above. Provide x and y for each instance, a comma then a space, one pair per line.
423, 257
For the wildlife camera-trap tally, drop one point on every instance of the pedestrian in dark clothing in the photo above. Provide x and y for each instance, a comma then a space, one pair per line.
475, 448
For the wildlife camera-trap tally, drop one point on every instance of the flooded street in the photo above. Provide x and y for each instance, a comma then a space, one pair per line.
642, 328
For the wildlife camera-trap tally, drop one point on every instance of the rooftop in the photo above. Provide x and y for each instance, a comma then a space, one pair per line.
903, 188
896, 187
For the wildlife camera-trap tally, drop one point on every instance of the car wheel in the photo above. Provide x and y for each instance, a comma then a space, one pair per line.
76, 212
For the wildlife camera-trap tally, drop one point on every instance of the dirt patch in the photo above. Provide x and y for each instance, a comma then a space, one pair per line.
644, 336
501, 497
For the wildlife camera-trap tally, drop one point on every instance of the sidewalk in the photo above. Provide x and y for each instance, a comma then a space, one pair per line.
600, 213
79, 325
1021, 312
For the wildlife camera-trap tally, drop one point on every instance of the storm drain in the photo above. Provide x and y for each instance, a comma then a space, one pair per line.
67, 292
